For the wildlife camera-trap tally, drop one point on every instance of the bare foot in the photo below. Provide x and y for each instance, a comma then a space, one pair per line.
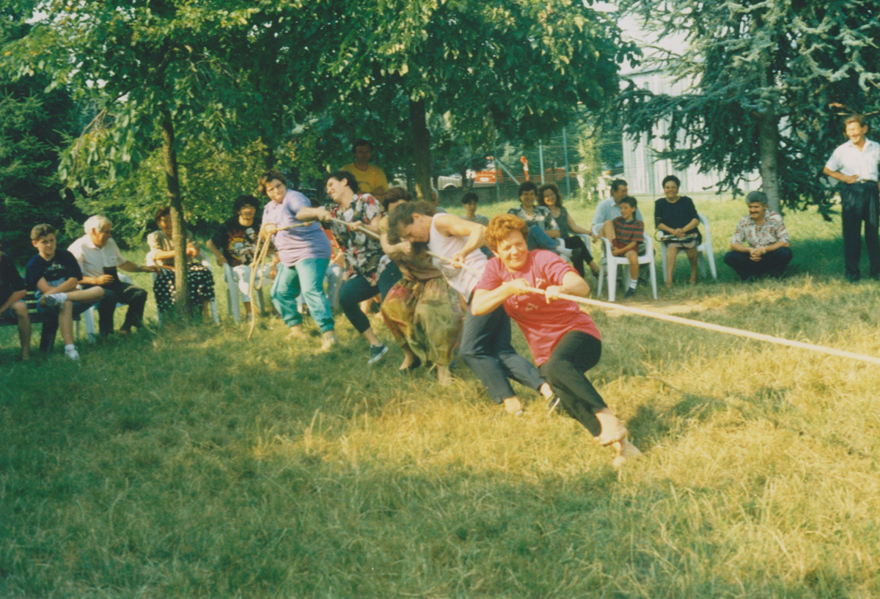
444, 377
513, 405
410, 362
296, 332
693, 279
668, 283
546, 391
612, 428
625, 451
614, 435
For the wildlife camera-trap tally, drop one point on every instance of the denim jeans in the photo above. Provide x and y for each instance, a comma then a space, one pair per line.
486, 348
306, 277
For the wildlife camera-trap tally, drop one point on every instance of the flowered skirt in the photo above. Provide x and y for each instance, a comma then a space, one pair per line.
427, 317
201, 287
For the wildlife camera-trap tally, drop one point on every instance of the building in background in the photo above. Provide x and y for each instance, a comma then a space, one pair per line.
643, 171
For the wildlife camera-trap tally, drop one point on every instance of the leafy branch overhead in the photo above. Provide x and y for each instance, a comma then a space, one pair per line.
760, 80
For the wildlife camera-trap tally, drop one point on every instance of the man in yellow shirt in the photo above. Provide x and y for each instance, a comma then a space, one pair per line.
371, 179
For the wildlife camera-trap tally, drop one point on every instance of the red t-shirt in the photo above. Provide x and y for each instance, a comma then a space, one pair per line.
543, 324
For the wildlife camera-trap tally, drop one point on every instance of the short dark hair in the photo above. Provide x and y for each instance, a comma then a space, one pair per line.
855, 118
395, 194
163, 211
672, 178
361, 142
41, 231
757, 197
630, 201
242, 201
615, 185
526, 186
267, 176
470, 197
402, 216
345, 177
552, 187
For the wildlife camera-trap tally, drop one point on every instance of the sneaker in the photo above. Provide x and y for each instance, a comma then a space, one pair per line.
329, 341
376, 353
55, 300
71, 352
629, 292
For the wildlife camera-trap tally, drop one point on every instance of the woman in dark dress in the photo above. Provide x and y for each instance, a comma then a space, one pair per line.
676, 216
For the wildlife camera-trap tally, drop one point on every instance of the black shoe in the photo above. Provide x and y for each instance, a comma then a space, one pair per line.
376, 353
629, 293
852, 278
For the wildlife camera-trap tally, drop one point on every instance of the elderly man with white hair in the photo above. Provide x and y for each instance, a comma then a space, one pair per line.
99, 258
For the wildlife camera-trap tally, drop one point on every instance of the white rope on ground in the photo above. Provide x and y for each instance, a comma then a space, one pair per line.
717, 328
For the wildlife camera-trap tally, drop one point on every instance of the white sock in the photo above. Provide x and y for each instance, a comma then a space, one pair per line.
71, 346
633, 284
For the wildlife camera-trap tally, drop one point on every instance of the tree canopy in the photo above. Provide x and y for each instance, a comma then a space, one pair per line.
763, 78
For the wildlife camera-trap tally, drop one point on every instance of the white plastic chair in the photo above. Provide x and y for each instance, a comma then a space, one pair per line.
704, 250
609, 265
214, 313
233, 295
88, 316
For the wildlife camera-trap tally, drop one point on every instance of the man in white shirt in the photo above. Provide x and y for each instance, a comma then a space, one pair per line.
610, 209
855, 164
99, 258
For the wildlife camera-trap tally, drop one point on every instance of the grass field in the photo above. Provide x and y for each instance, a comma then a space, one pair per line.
192, 463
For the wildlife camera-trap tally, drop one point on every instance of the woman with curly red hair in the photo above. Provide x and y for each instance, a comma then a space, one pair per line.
564, 340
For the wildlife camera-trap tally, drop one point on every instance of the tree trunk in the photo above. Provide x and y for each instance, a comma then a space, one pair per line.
178, 235
768, 142
421, 148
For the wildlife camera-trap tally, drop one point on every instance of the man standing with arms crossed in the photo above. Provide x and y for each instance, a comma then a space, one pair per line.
855, 164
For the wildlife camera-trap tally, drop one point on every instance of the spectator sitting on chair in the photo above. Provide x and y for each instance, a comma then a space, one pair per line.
543, 228
161, 254
98, 257
53, 275
234, 244
469, 201
12, 308
550, 197
625, 233
609, 209
677, 217
768, 252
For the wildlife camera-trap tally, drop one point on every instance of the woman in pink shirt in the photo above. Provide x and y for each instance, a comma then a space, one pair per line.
564, 340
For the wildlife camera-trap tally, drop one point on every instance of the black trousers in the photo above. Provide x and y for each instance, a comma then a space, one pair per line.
772, 263
580, 253
860, 202
351, 294
118, 292
576, 353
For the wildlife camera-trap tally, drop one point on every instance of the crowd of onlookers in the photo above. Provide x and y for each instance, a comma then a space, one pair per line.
353, 249
367, 262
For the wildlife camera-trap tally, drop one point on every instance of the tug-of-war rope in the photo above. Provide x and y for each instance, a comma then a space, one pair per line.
650, 314
261, 251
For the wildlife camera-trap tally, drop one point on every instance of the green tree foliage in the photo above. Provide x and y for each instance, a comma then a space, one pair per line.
764, 78
162, 73
518, 68
33, 125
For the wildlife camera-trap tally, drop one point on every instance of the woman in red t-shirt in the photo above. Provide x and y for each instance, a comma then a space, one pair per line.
563, 339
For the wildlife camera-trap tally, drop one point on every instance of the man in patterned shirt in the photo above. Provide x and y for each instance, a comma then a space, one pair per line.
767, 252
